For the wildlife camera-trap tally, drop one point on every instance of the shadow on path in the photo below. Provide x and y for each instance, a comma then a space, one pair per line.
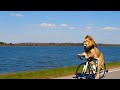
84, 76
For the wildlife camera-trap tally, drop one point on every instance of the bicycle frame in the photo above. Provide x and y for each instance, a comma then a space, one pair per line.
85, 67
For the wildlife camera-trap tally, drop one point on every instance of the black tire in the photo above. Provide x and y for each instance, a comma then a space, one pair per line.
102, 71
80, 74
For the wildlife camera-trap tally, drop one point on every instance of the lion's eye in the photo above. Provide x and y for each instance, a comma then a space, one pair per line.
85, 41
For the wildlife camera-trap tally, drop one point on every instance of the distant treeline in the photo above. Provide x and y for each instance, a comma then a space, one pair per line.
40, 44
50, 44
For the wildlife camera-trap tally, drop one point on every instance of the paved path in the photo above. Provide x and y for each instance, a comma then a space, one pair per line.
112, 74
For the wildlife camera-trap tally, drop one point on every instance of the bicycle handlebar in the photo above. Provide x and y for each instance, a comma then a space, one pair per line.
79, 56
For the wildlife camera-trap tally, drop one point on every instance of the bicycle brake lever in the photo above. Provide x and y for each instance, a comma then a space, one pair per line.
81, 58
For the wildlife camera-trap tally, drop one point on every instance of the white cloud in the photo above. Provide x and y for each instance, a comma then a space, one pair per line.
89, 27
72, 28
64, 25
16, 14
109, 28
57, 26
45, 25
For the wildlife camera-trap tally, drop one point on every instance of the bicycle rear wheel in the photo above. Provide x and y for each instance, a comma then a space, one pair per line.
80, 74
102, 70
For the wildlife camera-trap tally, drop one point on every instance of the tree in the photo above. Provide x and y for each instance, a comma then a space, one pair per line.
2, 43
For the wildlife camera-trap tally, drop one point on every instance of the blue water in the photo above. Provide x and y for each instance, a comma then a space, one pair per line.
29, 58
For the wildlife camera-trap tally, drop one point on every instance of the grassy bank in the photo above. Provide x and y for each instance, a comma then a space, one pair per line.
51, 73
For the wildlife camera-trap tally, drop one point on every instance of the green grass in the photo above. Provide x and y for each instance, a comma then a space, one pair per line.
42, 74
112, 65
51, 73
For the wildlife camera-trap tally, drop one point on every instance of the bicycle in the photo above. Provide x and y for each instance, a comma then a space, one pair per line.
86, 71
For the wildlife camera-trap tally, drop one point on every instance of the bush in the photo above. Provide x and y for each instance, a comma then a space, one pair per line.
2, 43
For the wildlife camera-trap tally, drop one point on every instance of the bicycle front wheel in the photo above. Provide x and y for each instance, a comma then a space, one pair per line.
80, 74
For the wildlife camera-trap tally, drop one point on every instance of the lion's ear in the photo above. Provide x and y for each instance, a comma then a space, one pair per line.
87, 36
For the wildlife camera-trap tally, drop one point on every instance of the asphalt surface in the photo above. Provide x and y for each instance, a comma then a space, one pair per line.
112, 74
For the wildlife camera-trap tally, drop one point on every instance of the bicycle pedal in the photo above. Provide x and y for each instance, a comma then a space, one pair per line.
74, 77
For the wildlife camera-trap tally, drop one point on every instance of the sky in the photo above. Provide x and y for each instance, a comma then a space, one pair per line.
59, 26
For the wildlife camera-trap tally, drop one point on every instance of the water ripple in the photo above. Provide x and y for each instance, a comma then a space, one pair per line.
15, 59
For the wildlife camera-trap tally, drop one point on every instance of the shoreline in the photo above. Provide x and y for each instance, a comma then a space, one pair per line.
50, 73
52, 44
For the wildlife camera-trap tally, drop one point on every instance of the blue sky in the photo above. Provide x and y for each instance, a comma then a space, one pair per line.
59, 26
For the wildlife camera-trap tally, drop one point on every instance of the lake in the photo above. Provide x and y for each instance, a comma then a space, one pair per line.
29, 58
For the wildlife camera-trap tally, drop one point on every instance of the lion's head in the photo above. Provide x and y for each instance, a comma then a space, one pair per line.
88, 42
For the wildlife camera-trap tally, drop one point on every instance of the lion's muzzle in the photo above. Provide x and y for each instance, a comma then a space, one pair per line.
84, 44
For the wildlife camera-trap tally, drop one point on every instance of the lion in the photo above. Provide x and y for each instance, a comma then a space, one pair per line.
92, 53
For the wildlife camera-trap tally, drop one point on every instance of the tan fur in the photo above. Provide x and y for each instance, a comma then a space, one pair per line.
93, 53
